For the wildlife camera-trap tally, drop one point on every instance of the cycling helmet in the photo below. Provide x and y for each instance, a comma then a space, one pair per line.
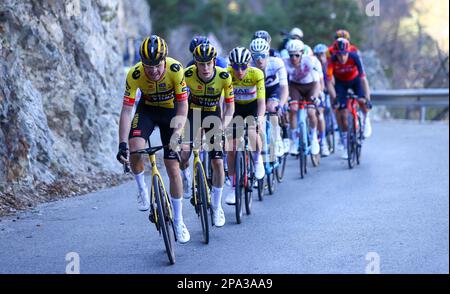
307, 51
295, 45
204, 52
197, 40
320, 48
259, 45
296, 32
342, 34
240, 55
341, 45
153, 50
263, 35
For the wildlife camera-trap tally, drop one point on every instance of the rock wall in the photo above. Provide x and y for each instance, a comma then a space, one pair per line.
61, 83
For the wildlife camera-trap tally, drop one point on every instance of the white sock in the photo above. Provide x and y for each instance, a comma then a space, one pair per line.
314, 133
140, 181
177, 205
216, 197
255, 155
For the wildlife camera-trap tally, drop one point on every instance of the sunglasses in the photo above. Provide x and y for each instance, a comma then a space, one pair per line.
239, 66
294, 55
259, 55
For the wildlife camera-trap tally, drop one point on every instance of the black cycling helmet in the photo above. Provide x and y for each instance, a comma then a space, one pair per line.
153, 50
197, 40
204, 52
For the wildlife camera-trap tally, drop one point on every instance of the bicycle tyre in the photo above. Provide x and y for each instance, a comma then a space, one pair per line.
239, 189
272, 182
351, 142
301, 156
359, 142
164, 220
250, 175
261, 189
202, 201
281, 168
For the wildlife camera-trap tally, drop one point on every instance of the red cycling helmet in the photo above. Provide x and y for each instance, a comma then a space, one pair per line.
341, 45
342, 34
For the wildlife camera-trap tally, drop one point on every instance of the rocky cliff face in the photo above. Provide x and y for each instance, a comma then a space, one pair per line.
61, 82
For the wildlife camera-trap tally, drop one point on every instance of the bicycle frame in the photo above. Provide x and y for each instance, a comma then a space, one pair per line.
302, 117
352, 107
196, 161
269, 164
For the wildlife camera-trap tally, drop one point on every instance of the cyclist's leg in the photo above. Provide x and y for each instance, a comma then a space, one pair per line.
293, 106
358, 90
341, 94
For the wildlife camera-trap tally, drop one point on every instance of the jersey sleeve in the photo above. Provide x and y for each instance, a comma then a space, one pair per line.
228, 91
180, 86
131, 87
260, 84
282, 73
359, 65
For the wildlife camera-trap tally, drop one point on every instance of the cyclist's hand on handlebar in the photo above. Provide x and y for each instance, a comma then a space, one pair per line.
316, 101
122, 155
176, 140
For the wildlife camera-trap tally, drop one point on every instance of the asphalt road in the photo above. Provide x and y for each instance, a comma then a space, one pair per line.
395, 204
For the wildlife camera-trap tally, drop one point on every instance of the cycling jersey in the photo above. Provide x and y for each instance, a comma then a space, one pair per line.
206, 96
275, 76
352, 69
317, 66
160, 93
250, 88
305, 73
220, 62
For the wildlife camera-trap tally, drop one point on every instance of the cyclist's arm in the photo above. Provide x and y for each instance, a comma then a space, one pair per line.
228, 94
261, 93
362, 75
181, 97
284, 88
127, 108
330, 80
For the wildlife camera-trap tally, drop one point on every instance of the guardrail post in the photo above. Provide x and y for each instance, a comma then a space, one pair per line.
423, 114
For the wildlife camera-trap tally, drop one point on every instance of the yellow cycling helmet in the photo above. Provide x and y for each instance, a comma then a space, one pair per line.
204, 52
153, 50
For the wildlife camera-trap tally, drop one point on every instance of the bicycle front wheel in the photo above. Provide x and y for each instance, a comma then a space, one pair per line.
351, 142
201, 194
249, 179
239, 169
359, 141
164, 220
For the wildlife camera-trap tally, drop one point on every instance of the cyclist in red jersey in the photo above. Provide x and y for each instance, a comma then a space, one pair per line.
348, 72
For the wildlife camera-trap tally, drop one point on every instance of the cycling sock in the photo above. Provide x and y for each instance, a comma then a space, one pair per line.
255, 156
322, 136
217, 197
344, 139
140, 181
314, 133
177, 205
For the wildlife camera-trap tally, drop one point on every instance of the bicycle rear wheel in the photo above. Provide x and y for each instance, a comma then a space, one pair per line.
271, 181
164, 220
261, 189
201, 195
249, 179
302, 157
239, 169
281, 168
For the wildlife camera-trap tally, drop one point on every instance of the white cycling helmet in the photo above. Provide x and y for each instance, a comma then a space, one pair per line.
296, 32
295, 45
259, 45
240, 55
308, 51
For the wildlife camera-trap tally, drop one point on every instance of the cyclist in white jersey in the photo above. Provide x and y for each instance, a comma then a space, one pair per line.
304, 84
321, 106
277, 90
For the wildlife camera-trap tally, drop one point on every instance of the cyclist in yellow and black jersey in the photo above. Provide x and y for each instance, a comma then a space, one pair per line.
161, 82
207, 83
250, 103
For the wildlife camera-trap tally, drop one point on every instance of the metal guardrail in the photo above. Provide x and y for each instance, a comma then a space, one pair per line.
422, 98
